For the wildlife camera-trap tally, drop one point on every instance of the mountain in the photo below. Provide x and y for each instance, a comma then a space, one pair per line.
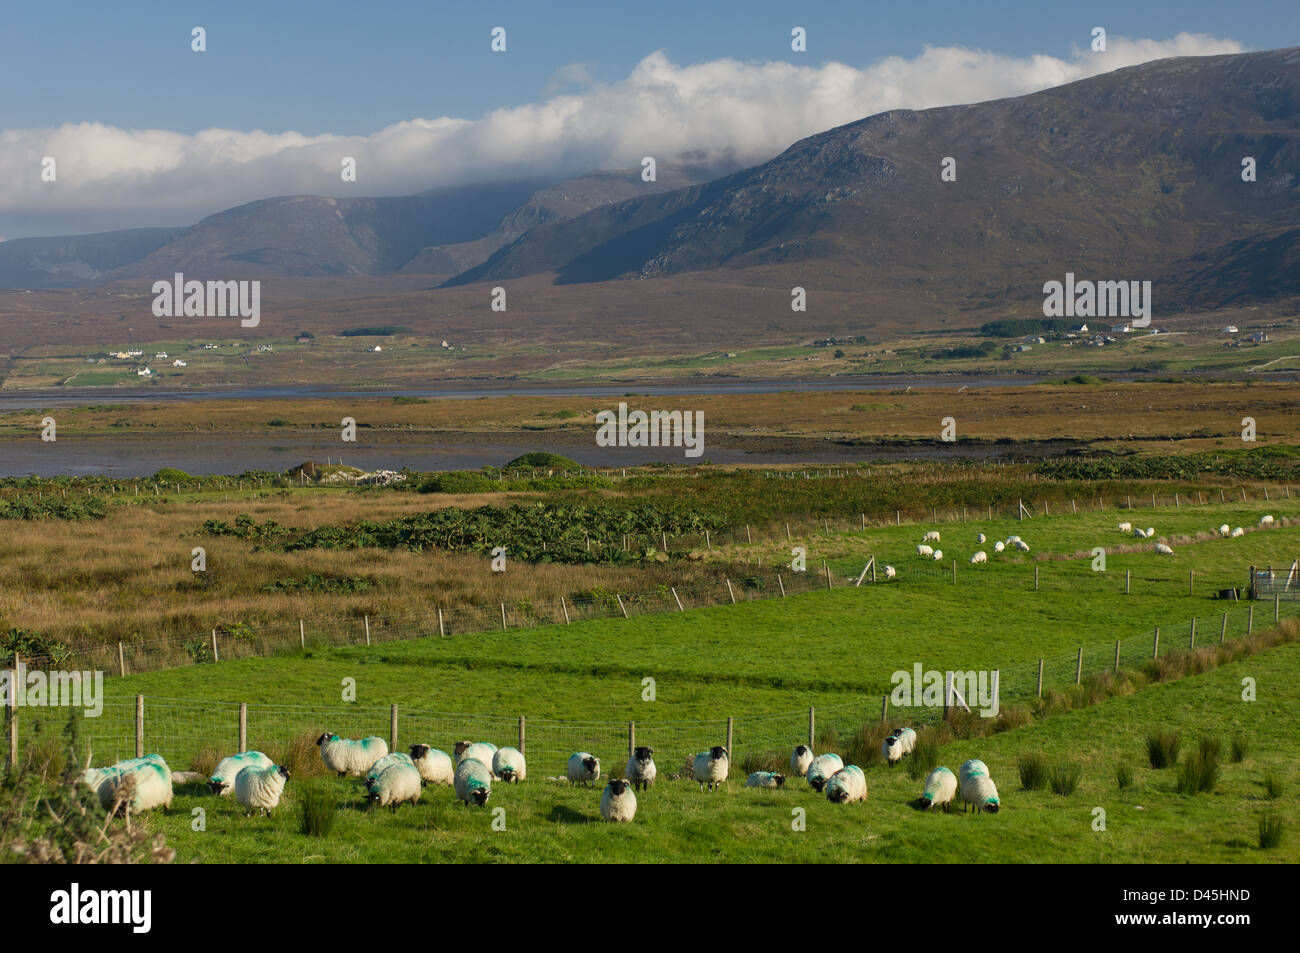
75, 260
1134, 174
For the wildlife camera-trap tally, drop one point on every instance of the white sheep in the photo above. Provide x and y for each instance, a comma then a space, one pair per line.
899, 743
1022, 546
640, 768
1164, 550
259, 789
710, 767
979, 557
940, 788
938, 555
890, 573
847, 785
1238, 532
1265, 521
483, 751
435, 766
1139, 533
999, 546
508, 765
473, 782
924, 550
971, 768
222, 781
618, 802
583, 768
800, 759
384, 763
399, 783
347, 756
148, 783
1126, 527
1151, 533
1224, 529
1012, 540
821, 769
981, 538
765, 779
931, 537
980, 793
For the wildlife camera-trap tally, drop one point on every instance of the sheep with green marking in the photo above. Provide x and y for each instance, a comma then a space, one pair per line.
435, 766
398, 783
583, 768
977, 789
940, 789
384, 763
347, 756
765, 779
508, 765
473, 782
222, 780
801, 759
898, 744
258, 790
822, 768
847, 785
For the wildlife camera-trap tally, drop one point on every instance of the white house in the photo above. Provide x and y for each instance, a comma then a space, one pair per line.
1230, 329
160, 356
179, 363
378, 348
143, 372
1081, 329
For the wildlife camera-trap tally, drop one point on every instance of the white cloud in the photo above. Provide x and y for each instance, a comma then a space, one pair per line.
723, 109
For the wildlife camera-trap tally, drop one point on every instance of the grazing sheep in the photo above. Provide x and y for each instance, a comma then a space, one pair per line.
149, 781
972, 768
508, 765
1224, 530
640, 768
618, 802
1126, 527
979, 557
765, 779
981, 538
1265, 521
435, 766
1238, 532
1163, 550
1022, 546
938, 555
1139, 533
480, 750
800, 760
940, 789
384, 763
710, 767
899, 743
222, 781
821, 769
583, 768
1151, 533
847, 785
347, 756
980, 793
399, 783
1012, 540
999, 546
924, 550
931, 537
889, 572
259, 789
473, 781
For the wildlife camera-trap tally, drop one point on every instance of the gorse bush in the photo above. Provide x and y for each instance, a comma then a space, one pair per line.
1033, 772
1162, 748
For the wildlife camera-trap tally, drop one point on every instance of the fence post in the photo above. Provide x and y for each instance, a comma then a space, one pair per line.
730, 592
521, 736
748, 536
731, 752
787, 533
243, 727
619, 600
1117, 655
1078, 668
631, 738
1177, 505
812, 726
1192, 642
781, 584
873, 567
1128, 581
884, 709
139, 726
1277, 606
121, 659
1035, 577
678, 598
11, 716
1155, 648
443, 632
1191, 582
707, 543
1040, 678
302, 635
1074, 510
827, 570
1223, 631
954, 572
392, 728
1250, 619
367, 630
665, 540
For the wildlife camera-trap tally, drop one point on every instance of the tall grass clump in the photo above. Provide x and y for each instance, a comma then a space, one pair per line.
1033, 772
317, 810
1240, 747
1123, 775
1064, 777
925, 756
1271, 828
1162, 748
300, 755
1201, 769
1273, 785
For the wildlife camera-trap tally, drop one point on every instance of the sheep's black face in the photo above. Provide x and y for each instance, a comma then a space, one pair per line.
617, 788
643, 754
323, 738
718, 752
217, 787
779, 779
284, 772
461, 748
590, 764
480, 797
802, 750
418, 752
508, 775
817, 785
837, 795
990, 808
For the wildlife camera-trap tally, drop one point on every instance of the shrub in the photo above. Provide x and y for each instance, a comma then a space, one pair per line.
300, 755
1123, 775
316, 810
764, 761
1162, 748
1273, 785
205, 761
925, 756
1271, 828
1033, 772
1240, 747
1064, 777
1200, 769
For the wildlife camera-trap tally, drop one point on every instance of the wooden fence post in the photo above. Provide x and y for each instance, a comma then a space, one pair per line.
1191, 644
1250, 619
1128, 581
522, 749
1277, 606
827, 570
1078, 668
1223, 631
139, 726
631, 739
302, 635
884, 709
243, 727
121, 660
619, 600
367, 630
1035, 577
443, 632
215, 656
730, 591
1191, 582
731, 751
1117, 655
1155, 648
812, 727
954, 572
1040, 678
781, 584
392, 728
678, 598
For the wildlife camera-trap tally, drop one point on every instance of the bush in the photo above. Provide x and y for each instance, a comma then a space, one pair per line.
172, 475
1033, 772
1064, 777
1123, 775
542, 461
1162, 748
1271, 828
316, 810
1200, 769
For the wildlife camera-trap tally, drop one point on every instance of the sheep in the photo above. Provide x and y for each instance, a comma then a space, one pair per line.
508, 765
847, 785
222, 781
931, 537
259, 789
940, 788
1265, 521
640, 768
972, 768
1139, 533
135, 785
473, 781
384, 763
938, 555
981, 538
1126, 527
800, 759
765, 779
618, 802
979, 557
1012, 540
821, 769
890, 572
1238, 532
899, 743
483, 751
347, 756
999, 546
924, 550
435, 766
980, 793
1224, 530
1164, 550
399, 783
1151, 533
1022, 546
583, 768
710, 767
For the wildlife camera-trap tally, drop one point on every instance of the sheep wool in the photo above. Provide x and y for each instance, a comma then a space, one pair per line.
899, 743
931, 537
399, 783
847, 785
640, 768
1238, 532
1163, 550
618, 802
981, 538
473, 782
938, 555
150, 778
259, 789
940, 789
890, 572
980, 793
972, 768
583, 768
385, 762
435, 766
347, 756
710, 767
923, 550
979, 557
1140, 533
1266, 521
1022, 546
800, 760
1225, 529
222, 781
508, 765
821, 769
765, 779
1126, 527
999, 546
